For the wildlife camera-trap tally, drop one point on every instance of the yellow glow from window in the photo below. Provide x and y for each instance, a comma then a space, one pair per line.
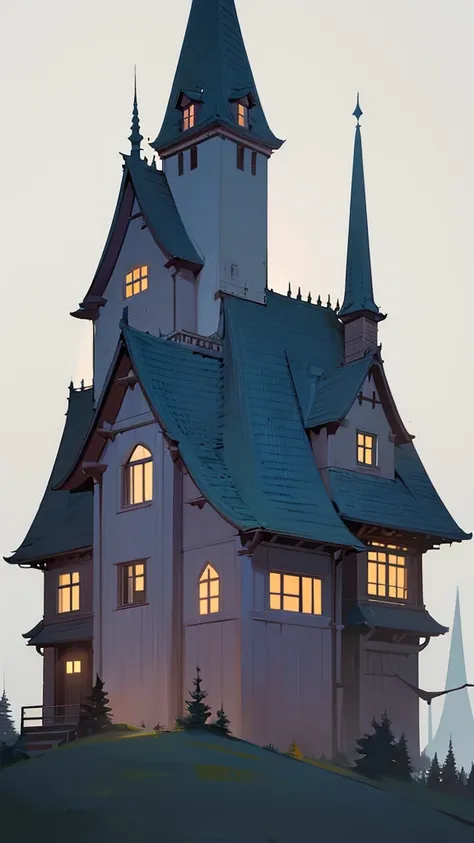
138, 477
291, 604
68, 592
317, 597
139, 583
242, 113
136, 281
209, 591
73, 666
387, 573
295, 593
275, 601
275, 582
291, 584
188, 117
366, 449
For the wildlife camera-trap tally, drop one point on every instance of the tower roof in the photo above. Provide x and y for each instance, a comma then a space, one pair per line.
214, 72
358, 294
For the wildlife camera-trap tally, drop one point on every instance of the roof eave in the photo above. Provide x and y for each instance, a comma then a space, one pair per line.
171, 144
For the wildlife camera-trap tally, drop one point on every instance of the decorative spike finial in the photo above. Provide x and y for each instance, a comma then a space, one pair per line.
309, 297
329, 301
299, 294
319, 302
135, 136
338, 307
289, 291
357, 113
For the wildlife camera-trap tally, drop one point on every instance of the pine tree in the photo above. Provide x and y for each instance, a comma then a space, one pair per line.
378, 751
470, 783
449, 773
8, 734
294, 751
222, 722
434, 774
462, 778
198, 711
95, 714
402, 768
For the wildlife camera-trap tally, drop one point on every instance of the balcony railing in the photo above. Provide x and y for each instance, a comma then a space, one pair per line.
39, 716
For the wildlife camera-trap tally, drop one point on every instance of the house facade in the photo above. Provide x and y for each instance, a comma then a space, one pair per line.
237, 490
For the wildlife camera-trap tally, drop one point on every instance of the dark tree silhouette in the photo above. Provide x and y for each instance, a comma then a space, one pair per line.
198, 710
449, 773
8, 734
434, 774
462, 778
377, 751
402, 768
470, 783
95, 713
222, 723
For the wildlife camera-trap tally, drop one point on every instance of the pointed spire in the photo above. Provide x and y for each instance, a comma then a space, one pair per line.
135, 137
358, 294
299, 294
309, 297
319, 302
456, 674
329, 301
289, 290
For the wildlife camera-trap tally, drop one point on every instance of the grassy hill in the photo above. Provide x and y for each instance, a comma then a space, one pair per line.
180, 787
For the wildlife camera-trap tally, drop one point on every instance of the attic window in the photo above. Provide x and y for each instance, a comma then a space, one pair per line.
138, 477
136, 281
366, 449
242, 115
189, 117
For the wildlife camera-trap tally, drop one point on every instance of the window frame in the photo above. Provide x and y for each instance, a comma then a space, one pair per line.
72, 662
189, 116
128, 474
123, 579
374, 449
243, 114
69, 588
388, 550
281, 593
131, 281
208, 597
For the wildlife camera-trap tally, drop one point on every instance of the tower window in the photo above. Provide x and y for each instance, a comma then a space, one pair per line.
366, 449
131, 584
68, 593
138, 477
293, 593
136, 281
387, 571
242, 115
208, 591
189, 117
240, 157
193, 157
73, 666
180, 163
254, 163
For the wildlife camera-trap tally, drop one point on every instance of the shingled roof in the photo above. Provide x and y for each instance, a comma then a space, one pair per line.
63, 522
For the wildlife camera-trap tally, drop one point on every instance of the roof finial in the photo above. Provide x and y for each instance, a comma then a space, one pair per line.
289, 290
309, 297
135, 137
357, 113
299, 294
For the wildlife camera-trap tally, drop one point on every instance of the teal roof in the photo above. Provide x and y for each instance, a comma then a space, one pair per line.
61, 632
336, 392
358, 295
63, 522
375, 614
409, 502
213, 69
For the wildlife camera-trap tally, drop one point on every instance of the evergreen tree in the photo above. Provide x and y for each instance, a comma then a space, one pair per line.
449, 773
222, 722
434, 774
470, 783
402, 768
8, 734
462, 778
295, 752
95, 714
270, 747
378, 751
198, 710
424, 763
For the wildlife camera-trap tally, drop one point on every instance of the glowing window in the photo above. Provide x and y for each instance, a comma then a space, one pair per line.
387, 573
68, 592
208, 591
136, 281
189, 117
366, 449
242, 115
294, 593
131, 585
138, 477
73, 666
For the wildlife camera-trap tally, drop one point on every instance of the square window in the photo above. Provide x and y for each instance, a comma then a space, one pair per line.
136, 281
387, 573
131, 584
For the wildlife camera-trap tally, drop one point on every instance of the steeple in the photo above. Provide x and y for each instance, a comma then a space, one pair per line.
214, 76
135, 136
358, 307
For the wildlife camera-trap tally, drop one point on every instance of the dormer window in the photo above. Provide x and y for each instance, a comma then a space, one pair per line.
242, 115
189, 116
387, 571
136, 281
366, 449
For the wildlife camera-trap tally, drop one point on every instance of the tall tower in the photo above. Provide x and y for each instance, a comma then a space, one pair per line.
359, 313
215, 144
457, 721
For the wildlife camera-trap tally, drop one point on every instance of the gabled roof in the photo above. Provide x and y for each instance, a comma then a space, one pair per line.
336, 392
150, 188
214, 70
63, 522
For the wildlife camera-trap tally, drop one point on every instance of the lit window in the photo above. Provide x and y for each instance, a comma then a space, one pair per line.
366, 449
208, 591
131, 584
294, 593
73, 666
189, 117
138, 477
387, 571
68, 592
136, 281
242, 115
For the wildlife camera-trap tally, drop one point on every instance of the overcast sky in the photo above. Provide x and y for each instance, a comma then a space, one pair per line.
67, 74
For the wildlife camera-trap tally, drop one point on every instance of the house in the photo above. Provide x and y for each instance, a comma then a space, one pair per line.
238, 490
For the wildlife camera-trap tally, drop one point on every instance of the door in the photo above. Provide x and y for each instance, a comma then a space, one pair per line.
74, 682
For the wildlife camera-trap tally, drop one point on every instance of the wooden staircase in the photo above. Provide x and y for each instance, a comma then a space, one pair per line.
49, 727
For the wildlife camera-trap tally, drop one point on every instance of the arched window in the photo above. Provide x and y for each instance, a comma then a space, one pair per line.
208, 591
138, 477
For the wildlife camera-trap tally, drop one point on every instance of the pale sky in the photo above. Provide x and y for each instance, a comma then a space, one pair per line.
67, 72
